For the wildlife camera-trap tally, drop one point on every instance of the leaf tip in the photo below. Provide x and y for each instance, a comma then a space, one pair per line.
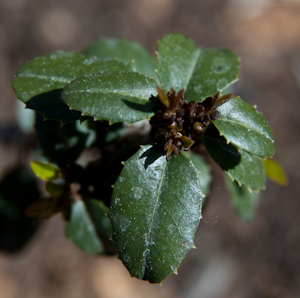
123, 163
112, 186
194, 246
175, 272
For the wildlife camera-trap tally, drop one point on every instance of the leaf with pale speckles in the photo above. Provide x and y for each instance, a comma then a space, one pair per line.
243, 126
113, 96
155, 211
201, 72
39, 82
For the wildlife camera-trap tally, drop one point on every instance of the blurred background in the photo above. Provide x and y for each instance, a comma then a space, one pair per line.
233, 258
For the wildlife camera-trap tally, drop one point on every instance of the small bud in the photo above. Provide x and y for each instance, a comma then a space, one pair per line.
162, 96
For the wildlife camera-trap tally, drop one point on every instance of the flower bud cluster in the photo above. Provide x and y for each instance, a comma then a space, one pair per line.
178, 124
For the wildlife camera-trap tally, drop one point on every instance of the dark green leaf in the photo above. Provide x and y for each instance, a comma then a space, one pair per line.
52, 107
239, 165
242, 200
243, 126
155, 211
60, 144
98, 213
201, 72
216, 69
40, 80
112, 96
177, 56
81, 230
18, 189
203, 168
125, 51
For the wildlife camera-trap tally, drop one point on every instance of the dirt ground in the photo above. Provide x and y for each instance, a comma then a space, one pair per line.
233, 259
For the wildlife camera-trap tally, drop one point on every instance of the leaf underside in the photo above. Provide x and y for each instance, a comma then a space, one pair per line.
155, 211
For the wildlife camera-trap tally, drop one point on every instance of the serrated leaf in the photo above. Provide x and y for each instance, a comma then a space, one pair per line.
243, 126
18, 189
155, 211
204, 172
243, 201
60, 144
81, 230
45, 171
275, 172
40, 80
112, 96
50, 105
239, 165
201, 72
125, 51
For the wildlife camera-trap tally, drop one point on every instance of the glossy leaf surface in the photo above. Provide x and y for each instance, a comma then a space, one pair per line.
125, 51
155, 211
45, 171
244, 202
243, 126
55, 70
39, 82
81, 230
201, 72
239, 165
112, 96
18, 189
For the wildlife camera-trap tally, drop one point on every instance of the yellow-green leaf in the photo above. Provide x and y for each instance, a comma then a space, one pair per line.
275, 172
45, 171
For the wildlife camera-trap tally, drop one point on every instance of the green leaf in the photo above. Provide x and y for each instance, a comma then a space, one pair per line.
155, 211
18, 189
40, 80
243, 126
45, 171
50, 105
275, 172
98, 213
60, 144
204, 172
239, 165
177, 56
112, 96
81, 230
243, 201
201, 72
125, 51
